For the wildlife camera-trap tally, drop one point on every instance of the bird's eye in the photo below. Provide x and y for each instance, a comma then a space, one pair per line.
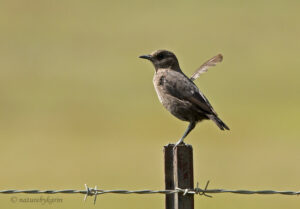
160, 56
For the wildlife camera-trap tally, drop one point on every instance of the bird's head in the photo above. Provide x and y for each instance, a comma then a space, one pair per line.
163, 59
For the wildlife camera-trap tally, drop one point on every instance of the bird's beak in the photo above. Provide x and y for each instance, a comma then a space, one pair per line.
147, 57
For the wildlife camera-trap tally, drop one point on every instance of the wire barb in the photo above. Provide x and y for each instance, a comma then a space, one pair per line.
201, 191
91, 192
88, 192
96, 192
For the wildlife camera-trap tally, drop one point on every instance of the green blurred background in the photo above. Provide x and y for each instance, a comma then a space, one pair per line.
77, 105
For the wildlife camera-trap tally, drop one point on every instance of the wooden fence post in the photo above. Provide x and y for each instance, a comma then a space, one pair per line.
179, 174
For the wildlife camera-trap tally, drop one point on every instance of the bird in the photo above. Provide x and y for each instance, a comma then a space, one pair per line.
179, 94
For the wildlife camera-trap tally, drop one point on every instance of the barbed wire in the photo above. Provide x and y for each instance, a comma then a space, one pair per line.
196, 191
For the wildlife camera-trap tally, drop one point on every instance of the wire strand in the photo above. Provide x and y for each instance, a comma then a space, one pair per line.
197, 191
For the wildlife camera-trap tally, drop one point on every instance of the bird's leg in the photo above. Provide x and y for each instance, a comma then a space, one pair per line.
187, 131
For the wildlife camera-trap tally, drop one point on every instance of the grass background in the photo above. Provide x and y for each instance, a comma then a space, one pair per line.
77, 105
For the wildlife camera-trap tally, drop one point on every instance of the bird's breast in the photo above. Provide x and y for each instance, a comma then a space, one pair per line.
158, 82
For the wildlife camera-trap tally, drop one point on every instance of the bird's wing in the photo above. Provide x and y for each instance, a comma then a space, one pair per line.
181, 87
209, 63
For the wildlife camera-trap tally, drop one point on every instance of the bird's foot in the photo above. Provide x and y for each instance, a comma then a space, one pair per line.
178, 143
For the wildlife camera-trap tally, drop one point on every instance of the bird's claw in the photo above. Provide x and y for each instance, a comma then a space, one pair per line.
178, 143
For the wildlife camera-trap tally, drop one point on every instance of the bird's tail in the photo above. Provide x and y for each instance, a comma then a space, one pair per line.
219, 122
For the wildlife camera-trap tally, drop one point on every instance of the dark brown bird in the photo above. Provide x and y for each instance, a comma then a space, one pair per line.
178, 93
